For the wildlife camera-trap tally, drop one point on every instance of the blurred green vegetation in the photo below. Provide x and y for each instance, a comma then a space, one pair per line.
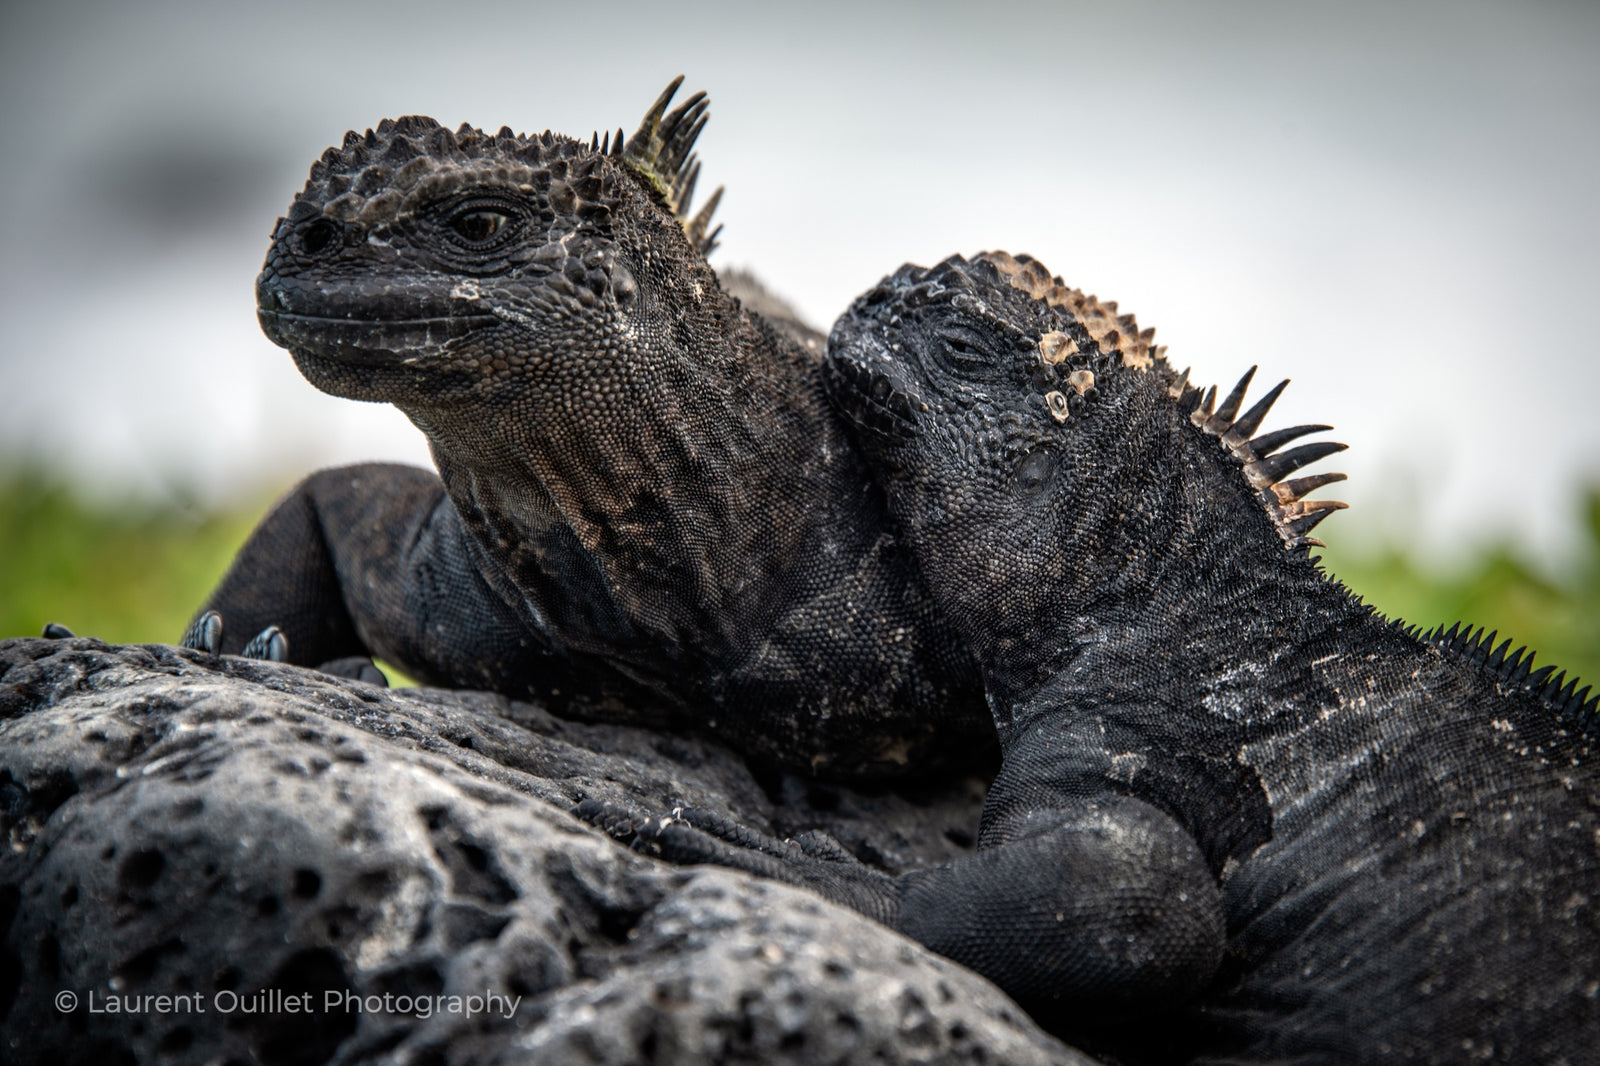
126, 573
136, 572
1558, 616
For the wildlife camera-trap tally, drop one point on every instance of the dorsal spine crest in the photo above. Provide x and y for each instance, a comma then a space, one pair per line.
1514, 670
661, 152
1119, 334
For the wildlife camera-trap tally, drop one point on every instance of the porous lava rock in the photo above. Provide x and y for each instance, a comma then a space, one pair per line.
312, 869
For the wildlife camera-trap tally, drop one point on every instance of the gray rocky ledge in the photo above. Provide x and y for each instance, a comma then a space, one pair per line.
247, 838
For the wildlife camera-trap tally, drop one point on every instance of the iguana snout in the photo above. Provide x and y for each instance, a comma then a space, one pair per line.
872, 391
364, 320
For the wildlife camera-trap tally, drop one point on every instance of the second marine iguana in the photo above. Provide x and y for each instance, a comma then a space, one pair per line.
645, 497
1236, 807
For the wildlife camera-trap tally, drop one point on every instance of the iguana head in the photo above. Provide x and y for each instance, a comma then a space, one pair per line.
647, 470
1043, 459
421, 265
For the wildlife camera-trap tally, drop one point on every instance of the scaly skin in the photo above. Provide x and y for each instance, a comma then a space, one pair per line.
1239, 819
1395, 838
646, 503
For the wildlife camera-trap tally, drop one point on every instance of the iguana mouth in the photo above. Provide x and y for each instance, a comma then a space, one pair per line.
366, 341
362, 322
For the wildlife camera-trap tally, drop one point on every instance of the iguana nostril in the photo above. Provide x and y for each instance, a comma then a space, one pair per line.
880, 388
318, 236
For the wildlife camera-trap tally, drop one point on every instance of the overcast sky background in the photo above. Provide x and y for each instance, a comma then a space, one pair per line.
1395, 204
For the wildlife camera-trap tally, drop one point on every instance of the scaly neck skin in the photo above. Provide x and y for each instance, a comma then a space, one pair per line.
1194, 587
694, 482
1234, 632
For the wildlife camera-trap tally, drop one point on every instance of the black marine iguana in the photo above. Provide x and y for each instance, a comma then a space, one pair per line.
645, 497
1235, 806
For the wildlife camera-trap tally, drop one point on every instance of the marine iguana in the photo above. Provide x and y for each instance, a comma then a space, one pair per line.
645, 499
1236, 806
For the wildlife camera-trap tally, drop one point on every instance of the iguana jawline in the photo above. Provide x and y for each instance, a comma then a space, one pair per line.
361, 342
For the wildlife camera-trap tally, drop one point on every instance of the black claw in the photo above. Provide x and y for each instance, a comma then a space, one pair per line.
52, 631
204, 634
269, 644
357, 668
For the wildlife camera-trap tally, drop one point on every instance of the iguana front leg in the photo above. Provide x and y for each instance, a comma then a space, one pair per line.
1092, 905
288, 573
1080, 901
371, 560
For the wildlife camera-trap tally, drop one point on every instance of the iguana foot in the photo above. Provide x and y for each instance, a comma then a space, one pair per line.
52, 631
357, 668
723, 829
204, 634
811, 860
269, 644
616, 822
693, 836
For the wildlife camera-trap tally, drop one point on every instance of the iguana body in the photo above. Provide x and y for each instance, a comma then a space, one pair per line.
1239, 814
1401, 835
645, 500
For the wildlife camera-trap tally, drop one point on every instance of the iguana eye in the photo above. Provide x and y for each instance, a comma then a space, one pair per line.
1036, 472
479, 225
963, 347
962, 352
